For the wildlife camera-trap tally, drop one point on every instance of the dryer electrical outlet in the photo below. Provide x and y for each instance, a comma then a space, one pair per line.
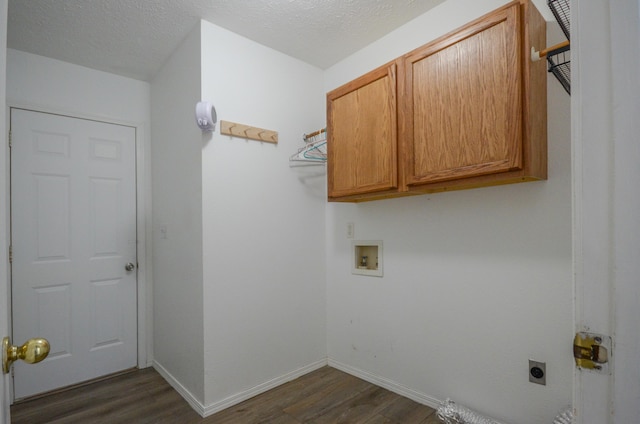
537, 372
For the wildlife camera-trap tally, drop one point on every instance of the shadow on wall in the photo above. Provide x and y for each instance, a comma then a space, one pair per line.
313, 178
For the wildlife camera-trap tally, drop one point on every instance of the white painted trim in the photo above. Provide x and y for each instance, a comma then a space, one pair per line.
5, 277
261, 388
144, 237
178, 387
143, 211
576, 206
592, 188
387, 384
5, 400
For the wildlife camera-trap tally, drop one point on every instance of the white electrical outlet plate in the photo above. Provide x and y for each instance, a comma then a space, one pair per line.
351, 230
163, 230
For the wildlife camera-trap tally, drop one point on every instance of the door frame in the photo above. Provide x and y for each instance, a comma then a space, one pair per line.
143, 223
606, 234
4, 209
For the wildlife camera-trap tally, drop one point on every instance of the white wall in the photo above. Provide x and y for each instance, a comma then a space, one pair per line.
52, 85
263, 222
625, 56
177, 204
476, 282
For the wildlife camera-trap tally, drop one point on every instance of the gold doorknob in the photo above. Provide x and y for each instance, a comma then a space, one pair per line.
31, 352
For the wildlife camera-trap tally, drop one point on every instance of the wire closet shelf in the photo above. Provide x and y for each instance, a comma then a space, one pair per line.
559, 60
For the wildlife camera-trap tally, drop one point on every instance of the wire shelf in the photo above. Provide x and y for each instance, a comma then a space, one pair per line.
562, 12
559, 62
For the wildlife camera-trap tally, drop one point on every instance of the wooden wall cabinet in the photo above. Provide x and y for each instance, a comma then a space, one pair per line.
470, 112
362, 117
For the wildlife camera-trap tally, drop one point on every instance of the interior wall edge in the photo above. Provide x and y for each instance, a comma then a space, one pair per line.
261, 388
386, 383
192, 400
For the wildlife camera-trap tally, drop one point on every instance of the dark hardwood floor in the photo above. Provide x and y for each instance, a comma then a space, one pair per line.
323, 396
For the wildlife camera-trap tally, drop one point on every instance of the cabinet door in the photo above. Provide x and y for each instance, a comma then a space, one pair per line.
362, 135
462, 110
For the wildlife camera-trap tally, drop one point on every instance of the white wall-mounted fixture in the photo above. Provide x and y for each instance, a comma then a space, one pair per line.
206, 116
366, 258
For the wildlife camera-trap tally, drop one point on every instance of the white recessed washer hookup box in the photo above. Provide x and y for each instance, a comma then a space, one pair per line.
366, 257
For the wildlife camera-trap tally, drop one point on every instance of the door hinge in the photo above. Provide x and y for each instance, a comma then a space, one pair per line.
592, 352
9, 138
10, 254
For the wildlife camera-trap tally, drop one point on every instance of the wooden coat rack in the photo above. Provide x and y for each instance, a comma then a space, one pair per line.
246, 131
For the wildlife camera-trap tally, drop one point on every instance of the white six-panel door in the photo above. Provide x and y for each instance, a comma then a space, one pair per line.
73, 231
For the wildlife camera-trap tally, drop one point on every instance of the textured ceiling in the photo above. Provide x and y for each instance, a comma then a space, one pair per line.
135, 37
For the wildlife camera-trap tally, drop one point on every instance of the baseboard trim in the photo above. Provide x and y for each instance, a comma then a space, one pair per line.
186, 394
387, 384
261, 388
205, 411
